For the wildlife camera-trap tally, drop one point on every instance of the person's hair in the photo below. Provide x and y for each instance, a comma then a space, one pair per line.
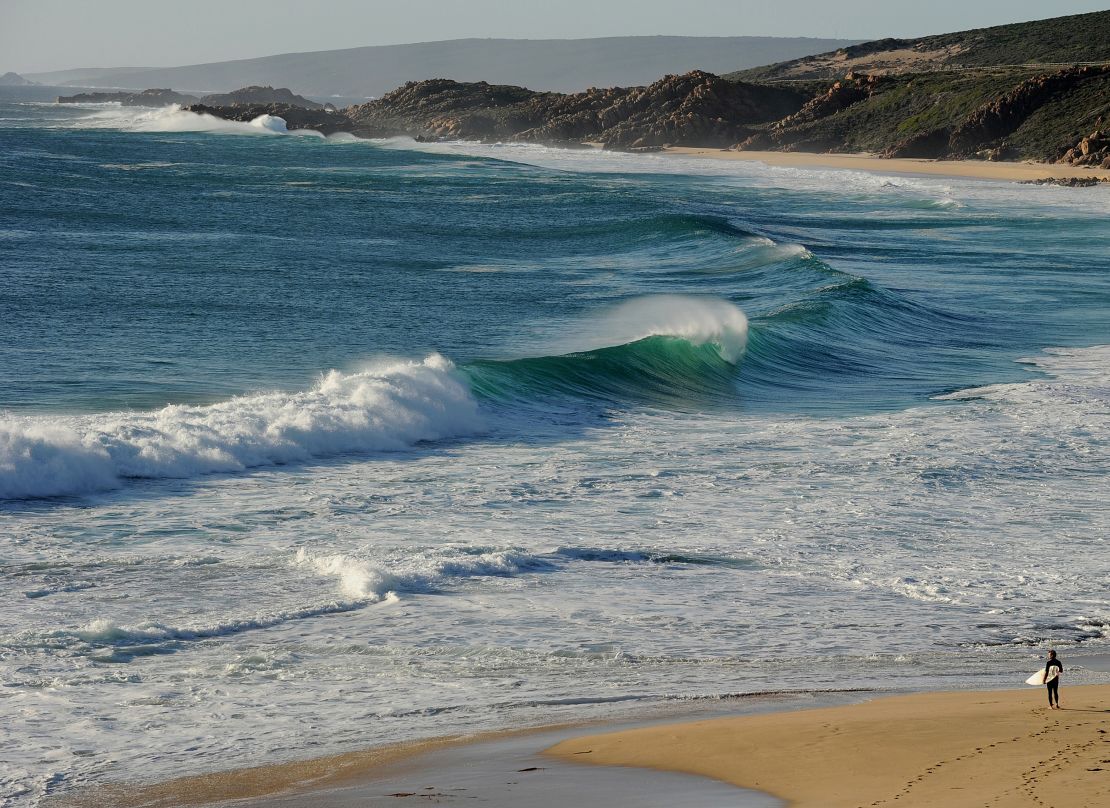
1052, 652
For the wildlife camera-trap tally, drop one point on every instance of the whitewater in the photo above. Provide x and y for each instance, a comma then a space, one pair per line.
311, 444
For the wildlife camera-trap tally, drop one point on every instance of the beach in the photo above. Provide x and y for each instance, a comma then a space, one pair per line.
969, 169
1003, 748
1000, 748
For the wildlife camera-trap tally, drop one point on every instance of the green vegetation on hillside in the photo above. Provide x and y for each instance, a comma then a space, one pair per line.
1071, 39
1075, 39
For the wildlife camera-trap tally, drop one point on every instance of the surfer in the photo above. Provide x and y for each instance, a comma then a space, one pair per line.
1052, 671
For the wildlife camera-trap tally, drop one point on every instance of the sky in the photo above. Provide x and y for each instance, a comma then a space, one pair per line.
40, 35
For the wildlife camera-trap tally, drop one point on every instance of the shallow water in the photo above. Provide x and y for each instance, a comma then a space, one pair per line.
308, 444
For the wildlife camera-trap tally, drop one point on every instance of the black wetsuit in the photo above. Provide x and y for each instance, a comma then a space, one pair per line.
1054, 685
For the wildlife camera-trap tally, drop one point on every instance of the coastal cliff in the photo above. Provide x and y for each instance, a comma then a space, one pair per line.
953, 96
695, 107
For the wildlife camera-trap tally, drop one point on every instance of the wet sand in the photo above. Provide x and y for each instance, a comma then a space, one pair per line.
975, 169
993, 748
497, 769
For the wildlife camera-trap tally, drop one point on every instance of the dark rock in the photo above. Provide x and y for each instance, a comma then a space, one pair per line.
1091, 150
851, 89
256, 94
695, 109
147, 98
927, 145
1068, 182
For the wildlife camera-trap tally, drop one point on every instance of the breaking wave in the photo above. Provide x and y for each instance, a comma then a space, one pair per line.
667, 349
175, 119
388, 408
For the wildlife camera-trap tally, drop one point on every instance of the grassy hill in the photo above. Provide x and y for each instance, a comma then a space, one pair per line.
1032, 90
1077, 38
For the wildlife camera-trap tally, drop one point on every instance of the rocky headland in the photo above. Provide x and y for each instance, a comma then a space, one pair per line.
258, 94
1055, 116
245, 96
697, 107
962, 96
146, 98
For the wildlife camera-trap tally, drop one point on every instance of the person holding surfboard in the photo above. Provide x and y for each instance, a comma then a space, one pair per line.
1052, 671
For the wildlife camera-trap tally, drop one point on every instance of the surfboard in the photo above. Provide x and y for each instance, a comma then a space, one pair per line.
1038, 678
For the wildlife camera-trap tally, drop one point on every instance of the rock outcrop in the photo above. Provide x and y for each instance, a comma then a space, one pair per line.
983, 133
1068, 182
256, 94
1090, 150
697, 109
147, 98
791, 134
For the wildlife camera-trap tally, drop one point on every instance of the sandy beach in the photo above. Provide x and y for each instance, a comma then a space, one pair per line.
1000, 748
996, 748
974, 169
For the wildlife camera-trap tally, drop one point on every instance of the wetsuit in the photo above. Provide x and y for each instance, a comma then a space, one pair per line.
1054, 685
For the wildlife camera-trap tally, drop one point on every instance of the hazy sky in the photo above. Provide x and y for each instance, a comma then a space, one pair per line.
40, 35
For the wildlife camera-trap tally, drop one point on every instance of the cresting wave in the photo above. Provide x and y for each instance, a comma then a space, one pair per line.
387, 408
678, 347
662, 349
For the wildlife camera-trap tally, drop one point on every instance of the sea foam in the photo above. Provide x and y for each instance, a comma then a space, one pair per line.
698, 320
390, 407
175, 119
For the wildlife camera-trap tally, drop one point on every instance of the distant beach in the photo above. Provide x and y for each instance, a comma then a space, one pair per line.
973, 169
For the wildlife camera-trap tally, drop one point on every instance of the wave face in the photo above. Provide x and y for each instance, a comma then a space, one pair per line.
648, 419
389, 408
679, 350
665, 349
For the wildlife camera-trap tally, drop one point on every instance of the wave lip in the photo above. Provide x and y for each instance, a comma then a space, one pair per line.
697, 320
671, 349
390, 407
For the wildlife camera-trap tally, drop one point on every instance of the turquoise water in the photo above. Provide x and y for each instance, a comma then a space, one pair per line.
307, 444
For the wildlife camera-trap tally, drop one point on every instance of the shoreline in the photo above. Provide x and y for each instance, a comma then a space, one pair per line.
963, 169
858, 748
972, 748
362, 776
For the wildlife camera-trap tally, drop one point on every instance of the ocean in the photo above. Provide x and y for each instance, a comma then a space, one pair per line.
312, 444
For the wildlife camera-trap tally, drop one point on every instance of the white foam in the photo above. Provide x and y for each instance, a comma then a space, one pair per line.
271, 123
175, 119
363, 581
390, 407
942, 193
700, 320
357, 579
